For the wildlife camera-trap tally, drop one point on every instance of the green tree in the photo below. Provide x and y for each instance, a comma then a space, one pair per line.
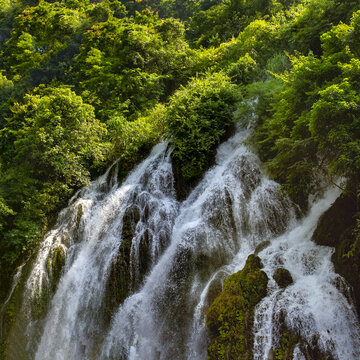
55, 130
49, 145
39, 33
198, 117
313, 133
134, 60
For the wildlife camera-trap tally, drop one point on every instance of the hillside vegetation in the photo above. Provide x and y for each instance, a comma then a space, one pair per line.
83, 83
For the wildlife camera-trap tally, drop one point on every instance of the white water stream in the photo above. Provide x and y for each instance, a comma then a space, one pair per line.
175, 262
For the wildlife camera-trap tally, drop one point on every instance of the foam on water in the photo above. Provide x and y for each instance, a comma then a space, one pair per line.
315, 306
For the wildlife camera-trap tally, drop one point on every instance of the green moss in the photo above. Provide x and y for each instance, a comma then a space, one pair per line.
10, 312
7, 318
230, 316
39, 303
287, 346
54, 266
288, 342
65, 240
48, 264
58, 263
289, 339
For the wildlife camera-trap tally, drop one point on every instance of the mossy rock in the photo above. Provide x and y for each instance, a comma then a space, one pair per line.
283, 277
55, 264
333, 223
76, 231
39, 303
130, 220
117, 286
144, 256
54, 267
287, 345
289, 340
230, 317
284, 346
221, 215
58, 263
10, 314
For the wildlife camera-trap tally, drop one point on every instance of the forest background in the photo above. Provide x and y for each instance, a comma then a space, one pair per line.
83, 83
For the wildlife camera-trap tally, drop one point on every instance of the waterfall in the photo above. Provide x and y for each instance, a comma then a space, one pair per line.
110, 233
231, 211
140, 269
315, 305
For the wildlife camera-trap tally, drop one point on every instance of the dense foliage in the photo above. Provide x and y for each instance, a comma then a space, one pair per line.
48, 148
197, 118
315, 127
85, 82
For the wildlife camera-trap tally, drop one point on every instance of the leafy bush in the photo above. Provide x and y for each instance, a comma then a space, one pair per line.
131, 140
224, 19
198, 117
38, 33
55, 136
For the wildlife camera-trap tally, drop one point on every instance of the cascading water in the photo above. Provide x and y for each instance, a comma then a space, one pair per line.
105, 231
315, 305
141, 269
231, 211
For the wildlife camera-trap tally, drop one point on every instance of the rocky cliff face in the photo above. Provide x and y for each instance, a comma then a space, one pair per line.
338, 228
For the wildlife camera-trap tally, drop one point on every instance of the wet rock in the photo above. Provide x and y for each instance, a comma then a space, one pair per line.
248, 173
261, 247
55, 264
125, 274
283, 277
219, 210
230, 317
290, 339
117, 286
286, 347
144, 256
77, 229
337, 228
130, 220
79, 215
58, 262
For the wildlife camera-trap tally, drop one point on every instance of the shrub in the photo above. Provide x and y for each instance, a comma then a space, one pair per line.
198, 118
